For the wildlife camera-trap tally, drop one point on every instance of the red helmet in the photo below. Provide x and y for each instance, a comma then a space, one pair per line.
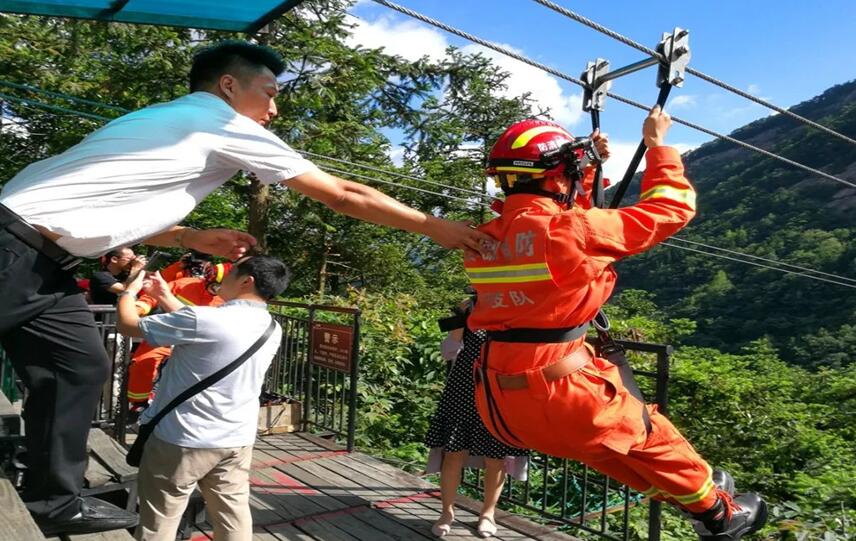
516, 155
214, 273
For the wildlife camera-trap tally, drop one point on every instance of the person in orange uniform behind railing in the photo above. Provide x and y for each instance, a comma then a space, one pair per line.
550, 270
192, 291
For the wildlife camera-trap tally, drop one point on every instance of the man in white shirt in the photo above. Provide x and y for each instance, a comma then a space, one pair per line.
208, 439
133, 181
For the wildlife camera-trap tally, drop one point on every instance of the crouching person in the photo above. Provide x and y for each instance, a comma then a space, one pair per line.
206, 440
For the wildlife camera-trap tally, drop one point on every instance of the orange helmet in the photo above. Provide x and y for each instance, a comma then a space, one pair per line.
517, 154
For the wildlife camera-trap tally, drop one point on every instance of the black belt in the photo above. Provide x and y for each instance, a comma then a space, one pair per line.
542, 336
33, 238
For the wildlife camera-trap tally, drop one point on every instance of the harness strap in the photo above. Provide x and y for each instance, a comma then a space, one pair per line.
539, 336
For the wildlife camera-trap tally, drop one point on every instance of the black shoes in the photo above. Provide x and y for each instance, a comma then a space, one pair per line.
731, 518
94, 516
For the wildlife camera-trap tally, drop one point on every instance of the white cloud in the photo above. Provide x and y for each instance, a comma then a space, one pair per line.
544, 88
396, 155
754, 89
620, 153
684, 101
413, 40
407, 39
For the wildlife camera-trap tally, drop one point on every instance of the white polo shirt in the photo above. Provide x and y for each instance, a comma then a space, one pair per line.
206, 339
144, 172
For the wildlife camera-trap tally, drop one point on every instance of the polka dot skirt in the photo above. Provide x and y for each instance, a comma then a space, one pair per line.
456, 425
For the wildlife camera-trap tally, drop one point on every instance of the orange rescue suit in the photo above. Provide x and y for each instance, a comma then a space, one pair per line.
144, 365
551, 268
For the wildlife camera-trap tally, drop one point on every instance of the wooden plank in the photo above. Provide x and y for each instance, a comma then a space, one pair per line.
96, 474
10, 419
285, 532
320, 442
113, 535
392, 527
325, 531
16, 523
111, 454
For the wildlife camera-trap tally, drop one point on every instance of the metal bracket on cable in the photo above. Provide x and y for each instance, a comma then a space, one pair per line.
673, 56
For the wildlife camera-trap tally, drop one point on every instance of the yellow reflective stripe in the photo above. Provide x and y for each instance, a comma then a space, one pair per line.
137, 395
143, 307
527, 266
511, 169
697, 496
185, 300
650, 492
512, 280
510, 274
529, 134
667, 192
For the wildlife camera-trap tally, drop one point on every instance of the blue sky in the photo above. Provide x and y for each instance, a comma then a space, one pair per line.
785, 52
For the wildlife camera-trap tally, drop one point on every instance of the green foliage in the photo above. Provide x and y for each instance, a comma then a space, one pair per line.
765, 208
784, 430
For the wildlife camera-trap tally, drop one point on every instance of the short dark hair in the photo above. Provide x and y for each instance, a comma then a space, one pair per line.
115, 252
270, 274
231, 56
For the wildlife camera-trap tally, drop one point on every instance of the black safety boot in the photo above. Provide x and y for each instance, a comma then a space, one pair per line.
731, 518
723, 481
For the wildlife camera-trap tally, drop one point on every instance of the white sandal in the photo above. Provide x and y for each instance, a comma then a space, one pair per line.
440, 528
486, 527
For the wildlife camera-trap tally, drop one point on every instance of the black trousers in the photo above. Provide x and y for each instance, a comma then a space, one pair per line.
49, 333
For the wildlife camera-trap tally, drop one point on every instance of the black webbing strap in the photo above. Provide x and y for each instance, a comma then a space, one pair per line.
614, 353
492, 406
597, 189
621, 189
539, 336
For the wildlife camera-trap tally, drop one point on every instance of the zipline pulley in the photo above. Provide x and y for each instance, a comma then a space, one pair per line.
673, 56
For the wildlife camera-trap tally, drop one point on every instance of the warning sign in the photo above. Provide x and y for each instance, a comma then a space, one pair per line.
332, 346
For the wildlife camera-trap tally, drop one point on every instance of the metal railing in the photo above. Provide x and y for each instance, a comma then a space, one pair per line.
571, 494
327, 392
314, 372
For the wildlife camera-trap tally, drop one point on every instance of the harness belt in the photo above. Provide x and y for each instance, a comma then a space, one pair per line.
33, 238
539, 336
556, 371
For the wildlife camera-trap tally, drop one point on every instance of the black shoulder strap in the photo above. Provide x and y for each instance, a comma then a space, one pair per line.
215, 377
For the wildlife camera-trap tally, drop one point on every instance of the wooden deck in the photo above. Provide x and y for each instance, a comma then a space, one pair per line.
305, 489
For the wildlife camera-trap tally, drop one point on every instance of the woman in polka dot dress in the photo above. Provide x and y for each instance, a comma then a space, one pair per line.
457, 437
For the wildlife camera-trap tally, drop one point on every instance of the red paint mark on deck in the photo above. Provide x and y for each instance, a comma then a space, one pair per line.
281, 484
260, 465
406, 499
326, 515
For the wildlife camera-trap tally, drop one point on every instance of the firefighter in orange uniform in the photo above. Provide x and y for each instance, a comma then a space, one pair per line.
192, 291
539, 385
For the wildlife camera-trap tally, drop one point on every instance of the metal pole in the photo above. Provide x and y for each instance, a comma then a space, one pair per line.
352, 400
662, 399
307, 376
626, 70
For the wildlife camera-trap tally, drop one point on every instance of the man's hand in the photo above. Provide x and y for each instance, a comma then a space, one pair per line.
452, 234
601, 143
655, 127
226, 243
134, 284
155, 286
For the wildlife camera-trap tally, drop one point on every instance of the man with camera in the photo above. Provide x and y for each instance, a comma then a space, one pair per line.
207, 440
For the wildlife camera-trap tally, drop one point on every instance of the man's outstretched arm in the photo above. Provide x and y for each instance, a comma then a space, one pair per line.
366, 203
